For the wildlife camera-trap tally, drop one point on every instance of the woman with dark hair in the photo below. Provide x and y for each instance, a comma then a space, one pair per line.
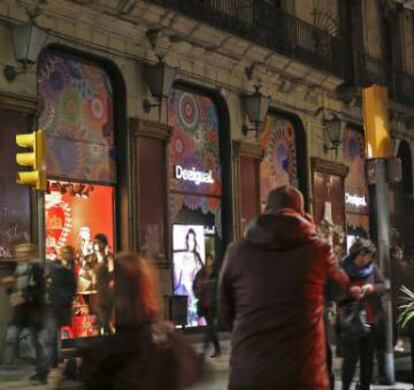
205, 290
130, 359
364, 303
191, 245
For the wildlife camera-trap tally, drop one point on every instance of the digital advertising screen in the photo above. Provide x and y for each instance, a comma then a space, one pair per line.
188, 258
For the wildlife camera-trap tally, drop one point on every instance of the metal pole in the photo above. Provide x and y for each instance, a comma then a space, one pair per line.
383, 227
41, 225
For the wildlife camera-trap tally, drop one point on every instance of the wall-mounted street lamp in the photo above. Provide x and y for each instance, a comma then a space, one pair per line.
28, 42
334, 132
257, 107
160, 78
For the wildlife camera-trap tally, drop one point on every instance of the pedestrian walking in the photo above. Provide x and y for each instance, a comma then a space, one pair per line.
271, 292
27, 294
360, 314
60, 294
205, 290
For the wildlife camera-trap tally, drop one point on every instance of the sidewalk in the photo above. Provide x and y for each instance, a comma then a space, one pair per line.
214, 378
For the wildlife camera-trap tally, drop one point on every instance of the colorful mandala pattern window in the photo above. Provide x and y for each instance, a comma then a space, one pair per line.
77, 118
356, 183
194, 147
279, 165
196, 190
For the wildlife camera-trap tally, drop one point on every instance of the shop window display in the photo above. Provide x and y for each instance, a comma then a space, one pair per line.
75, 213
279, 164
356, 187
78, 120
195, 189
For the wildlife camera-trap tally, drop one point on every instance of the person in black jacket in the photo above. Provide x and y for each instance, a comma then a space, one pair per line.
60, 293
366, 286
27, 292
205, 290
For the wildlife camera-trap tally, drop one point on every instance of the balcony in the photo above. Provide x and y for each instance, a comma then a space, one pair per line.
259, 21
370, 70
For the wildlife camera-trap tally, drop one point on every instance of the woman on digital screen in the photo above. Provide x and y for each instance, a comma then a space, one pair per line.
186, 265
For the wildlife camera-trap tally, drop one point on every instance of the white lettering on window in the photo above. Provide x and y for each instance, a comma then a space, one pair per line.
193, 175
356, 200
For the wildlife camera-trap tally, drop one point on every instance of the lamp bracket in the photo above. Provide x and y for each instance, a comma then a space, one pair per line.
10, 72
246, 130
147, 105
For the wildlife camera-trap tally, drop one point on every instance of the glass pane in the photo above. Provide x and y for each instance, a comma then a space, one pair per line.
75, 213
194, 153
77, 118
14, 198
196, 233
279, 165
356, 188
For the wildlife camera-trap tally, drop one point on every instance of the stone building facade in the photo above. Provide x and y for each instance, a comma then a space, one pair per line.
310, 57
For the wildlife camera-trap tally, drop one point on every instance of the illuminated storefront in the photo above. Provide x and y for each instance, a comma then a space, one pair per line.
196, 189
356, 187
78, 120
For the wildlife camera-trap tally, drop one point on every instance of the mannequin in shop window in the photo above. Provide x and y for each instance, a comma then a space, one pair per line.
104, 283
87, 262
185, 273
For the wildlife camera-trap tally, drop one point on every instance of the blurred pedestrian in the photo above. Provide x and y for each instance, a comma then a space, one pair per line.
104, 283
27, 297
360, 313
271, 291
130, 359
205, 290
60, 294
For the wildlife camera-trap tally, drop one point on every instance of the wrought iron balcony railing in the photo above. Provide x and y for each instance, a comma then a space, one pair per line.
261, 22
403, 90
370, 70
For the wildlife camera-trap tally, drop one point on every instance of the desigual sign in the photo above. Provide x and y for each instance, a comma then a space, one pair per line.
356, 200
193, 175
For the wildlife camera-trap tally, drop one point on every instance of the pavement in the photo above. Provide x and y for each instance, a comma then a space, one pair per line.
214, 378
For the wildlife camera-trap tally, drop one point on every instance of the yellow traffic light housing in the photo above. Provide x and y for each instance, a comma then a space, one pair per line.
36, 159
377, 122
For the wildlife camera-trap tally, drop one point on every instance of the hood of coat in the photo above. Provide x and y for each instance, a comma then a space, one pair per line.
283, 230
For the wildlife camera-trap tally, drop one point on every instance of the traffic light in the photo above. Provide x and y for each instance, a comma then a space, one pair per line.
36, 159
377, 122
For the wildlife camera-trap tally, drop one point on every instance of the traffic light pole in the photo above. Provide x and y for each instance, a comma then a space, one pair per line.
41, 225
383, 228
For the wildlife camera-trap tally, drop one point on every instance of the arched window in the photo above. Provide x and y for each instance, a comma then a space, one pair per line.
196, 188
78, 119
279, 166
356, 186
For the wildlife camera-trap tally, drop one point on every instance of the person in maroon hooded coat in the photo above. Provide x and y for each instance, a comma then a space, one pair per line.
271, 292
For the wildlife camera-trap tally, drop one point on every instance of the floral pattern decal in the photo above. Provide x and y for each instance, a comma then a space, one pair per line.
279, 165
194, 146
77, 118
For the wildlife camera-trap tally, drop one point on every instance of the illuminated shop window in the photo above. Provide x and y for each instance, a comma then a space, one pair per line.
356, 187
195, 189
279, 164
78, 119
75, 213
